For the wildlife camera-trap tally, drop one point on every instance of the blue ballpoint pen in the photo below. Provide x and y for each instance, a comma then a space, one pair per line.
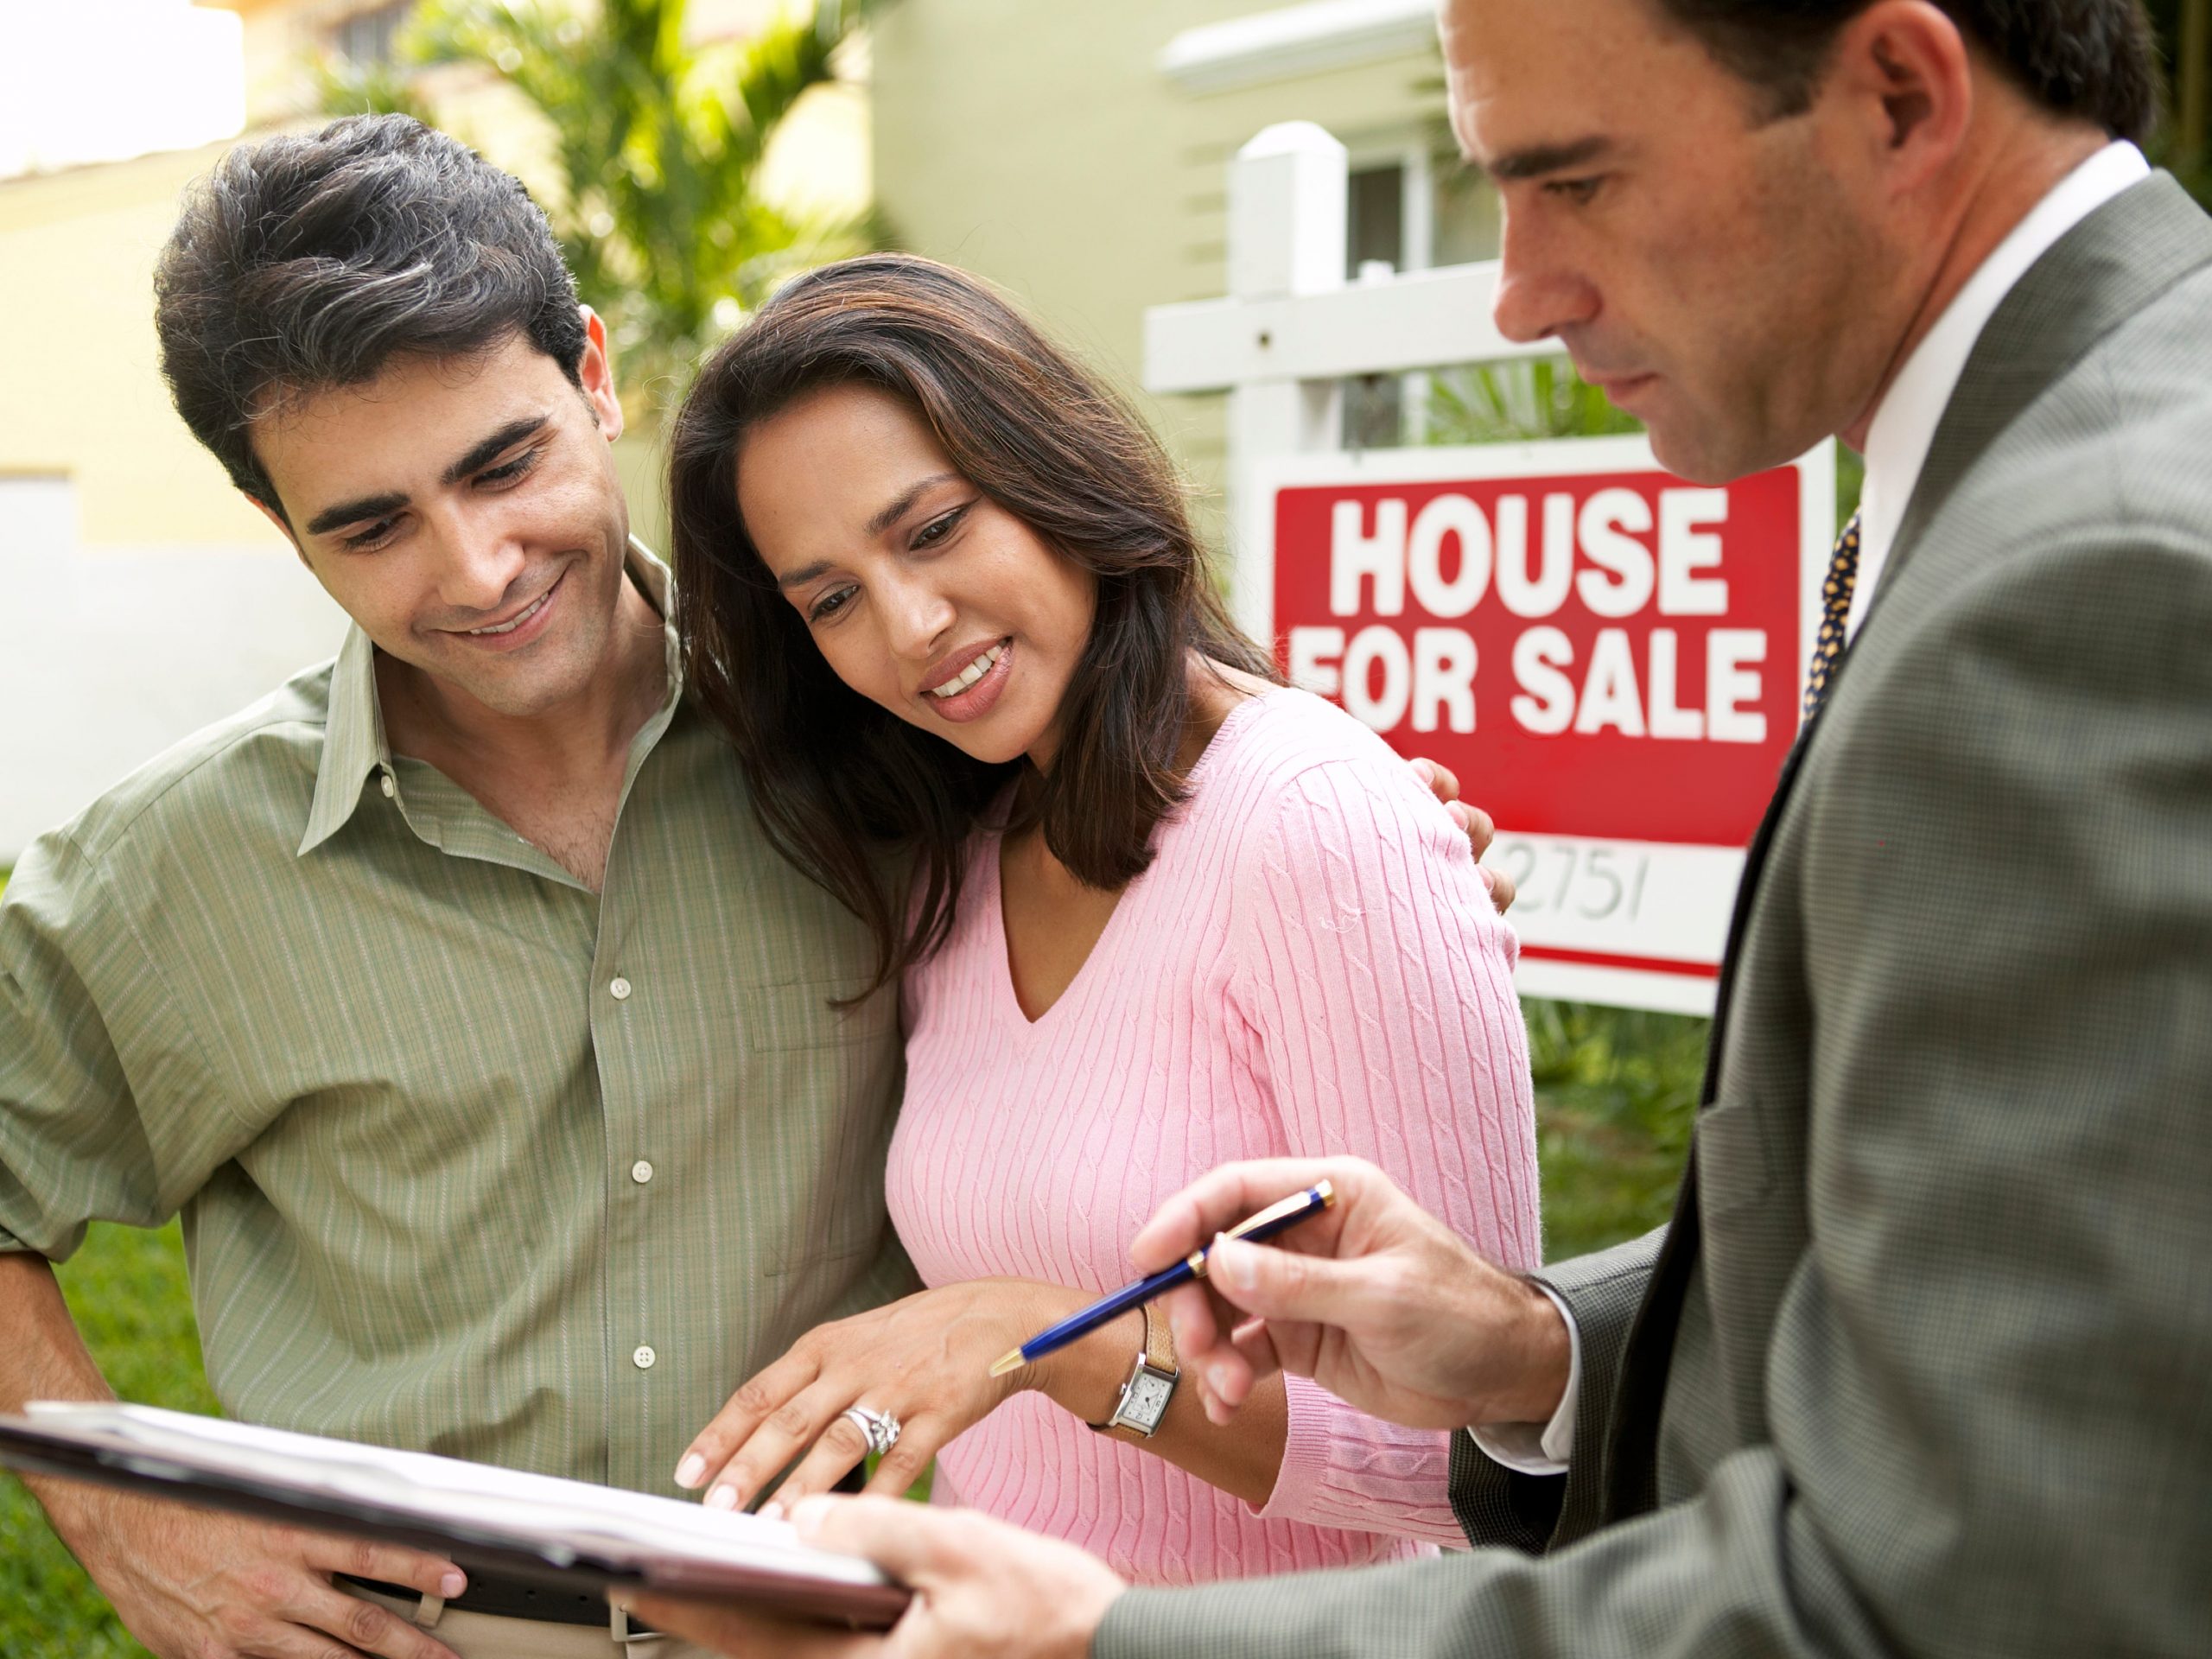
1270, 1221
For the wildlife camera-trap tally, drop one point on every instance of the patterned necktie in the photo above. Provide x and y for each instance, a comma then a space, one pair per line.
1835, 616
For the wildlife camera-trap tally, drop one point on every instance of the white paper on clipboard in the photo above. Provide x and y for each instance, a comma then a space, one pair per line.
601, 1531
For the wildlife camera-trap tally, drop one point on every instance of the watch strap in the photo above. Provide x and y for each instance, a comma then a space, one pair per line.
1158, 1354
1159, 1340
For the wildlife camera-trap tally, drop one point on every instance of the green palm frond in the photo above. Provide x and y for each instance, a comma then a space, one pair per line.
1518, 402
655, 152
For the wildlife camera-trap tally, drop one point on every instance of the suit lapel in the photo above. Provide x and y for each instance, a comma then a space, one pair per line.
2103, 271
1631, 1457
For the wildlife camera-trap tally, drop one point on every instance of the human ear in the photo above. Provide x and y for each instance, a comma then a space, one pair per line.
1903, 66
596, 373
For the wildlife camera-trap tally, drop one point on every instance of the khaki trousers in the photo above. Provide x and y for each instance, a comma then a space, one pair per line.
480, 1635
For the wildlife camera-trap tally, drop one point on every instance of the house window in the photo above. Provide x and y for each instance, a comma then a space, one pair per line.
1375, 220
367, 37
1374, 235
1408, 211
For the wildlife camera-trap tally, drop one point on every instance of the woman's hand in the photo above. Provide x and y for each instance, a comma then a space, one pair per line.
924, 1360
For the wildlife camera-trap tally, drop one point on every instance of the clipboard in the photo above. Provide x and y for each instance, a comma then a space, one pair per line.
540, 1529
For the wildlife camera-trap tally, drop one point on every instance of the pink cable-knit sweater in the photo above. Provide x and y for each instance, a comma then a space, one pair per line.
1312, 965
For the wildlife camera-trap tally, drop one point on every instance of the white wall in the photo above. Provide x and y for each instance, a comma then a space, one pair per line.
107, 657
100, 80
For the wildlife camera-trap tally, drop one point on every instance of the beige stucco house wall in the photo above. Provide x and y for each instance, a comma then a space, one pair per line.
76, 259
1076, 152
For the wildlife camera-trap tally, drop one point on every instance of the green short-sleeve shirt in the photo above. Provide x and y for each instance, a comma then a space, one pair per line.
470, 1159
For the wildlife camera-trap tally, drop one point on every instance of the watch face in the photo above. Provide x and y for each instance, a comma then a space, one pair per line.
1147, 1403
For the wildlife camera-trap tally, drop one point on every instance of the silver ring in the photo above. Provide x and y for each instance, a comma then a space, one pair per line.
880, 1427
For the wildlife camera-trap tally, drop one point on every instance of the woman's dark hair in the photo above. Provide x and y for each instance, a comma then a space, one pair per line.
838, 781
310, 261
2092, 59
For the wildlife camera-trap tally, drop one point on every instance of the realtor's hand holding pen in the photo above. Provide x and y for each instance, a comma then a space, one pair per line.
1376, 1300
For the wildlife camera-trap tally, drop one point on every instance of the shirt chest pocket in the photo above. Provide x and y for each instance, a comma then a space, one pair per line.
813, 1112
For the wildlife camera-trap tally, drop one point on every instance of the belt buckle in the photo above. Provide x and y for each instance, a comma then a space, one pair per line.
618, 1627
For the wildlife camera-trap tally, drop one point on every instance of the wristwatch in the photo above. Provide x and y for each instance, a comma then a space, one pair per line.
1151, 1384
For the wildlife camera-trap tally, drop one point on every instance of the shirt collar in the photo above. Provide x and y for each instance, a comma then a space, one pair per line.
354, 745
1905, 425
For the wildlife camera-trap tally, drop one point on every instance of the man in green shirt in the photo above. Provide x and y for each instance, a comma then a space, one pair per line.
450, 992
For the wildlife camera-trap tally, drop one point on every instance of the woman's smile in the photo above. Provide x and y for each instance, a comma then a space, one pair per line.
971, 690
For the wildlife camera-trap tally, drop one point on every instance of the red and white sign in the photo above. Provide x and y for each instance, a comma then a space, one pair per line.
1609, 657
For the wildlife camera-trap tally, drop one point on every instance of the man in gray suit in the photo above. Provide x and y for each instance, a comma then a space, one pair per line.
1921, 1364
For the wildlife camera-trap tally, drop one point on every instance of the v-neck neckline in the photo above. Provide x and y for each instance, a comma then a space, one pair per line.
1007, 994
1004, 992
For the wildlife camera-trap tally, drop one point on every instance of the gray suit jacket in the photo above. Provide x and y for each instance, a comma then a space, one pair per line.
1924, 1363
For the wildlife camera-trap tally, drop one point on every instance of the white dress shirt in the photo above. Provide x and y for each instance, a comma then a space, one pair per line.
1905, 426
1897, 442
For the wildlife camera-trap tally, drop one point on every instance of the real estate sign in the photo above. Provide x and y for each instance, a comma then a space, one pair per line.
1609, 656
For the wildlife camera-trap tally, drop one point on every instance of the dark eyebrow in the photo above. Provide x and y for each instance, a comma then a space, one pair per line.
897, 508
484, 454
1535, 162
377, 506
903, 503
352, 512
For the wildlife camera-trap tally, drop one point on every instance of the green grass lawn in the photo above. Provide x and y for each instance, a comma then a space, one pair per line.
127, 1290
1614, 1096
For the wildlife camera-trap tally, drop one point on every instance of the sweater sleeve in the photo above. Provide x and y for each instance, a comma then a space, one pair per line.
1376, 978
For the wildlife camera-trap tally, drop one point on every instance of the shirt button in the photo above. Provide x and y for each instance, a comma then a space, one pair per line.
620, 988
643, 1359
390, 788
641, 1171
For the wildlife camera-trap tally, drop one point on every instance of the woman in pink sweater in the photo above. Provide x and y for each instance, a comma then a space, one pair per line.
1154, 913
